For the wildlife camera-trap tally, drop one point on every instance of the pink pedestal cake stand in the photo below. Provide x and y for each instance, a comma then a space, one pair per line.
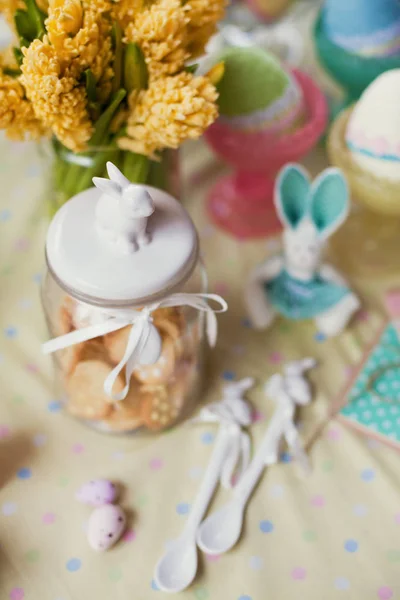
242, 203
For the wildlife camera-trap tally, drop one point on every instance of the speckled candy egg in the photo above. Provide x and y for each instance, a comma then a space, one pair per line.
373, 130
370, 28
97, 492
257, 94
106, 525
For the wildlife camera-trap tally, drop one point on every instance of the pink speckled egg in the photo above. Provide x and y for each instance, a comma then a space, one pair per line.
97, 492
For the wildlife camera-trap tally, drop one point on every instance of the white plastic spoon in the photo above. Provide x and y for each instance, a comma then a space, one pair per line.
221, 530
176, 570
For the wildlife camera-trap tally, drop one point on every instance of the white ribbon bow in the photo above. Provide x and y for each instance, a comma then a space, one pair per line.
141, 322
237, 448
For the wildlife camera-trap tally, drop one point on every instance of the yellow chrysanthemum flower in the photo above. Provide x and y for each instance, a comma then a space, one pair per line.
81, 33
160, 31
16, 113
126, 10
57, 99
65, 19
171, 111
204, 12
203, 19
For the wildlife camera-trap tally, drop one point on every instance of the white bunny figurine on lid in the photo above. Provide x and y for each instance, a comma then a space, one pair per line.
122, 211
297, 284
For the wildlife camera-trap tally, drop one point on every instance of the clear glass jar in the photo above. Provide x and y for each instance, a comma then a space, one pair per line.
126, 305
160, 395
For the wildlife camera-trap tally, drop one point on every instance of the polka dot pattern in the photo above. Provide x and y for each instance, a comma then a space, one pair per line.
368, 475
24, 473
310, 536
299, 573
49, 518
385, 593
156, 464
320, 337
129, 535
115, 574
351, 546
303, 537
73, 565
266, 526
183, 508
9, 508
228, 375
378, 380
54, 406
32, 556
341, 583
207, 437
256, 563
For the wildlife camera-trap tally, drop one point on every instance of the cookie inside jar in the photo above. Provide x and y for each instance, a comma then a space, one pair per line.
159, 393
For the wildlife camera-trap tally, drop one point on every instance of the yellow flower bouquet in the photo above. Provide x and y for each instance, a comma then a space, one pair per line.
107, 80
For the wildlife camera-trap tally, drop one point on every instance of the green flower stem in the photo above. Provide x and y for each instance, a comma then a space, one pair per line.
104, 122
157, 176
136, 167
135, 70
97, 169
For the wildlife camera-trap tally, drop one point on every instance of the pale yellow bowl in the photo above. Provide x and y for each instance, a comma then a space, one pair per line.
379, 195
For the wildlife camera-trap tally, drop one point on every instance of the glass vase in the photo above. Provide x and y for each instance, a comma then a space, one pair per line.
70, 173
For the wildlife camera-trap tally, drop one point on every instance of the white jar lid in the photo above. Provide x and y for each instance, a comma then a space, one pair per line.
88, 265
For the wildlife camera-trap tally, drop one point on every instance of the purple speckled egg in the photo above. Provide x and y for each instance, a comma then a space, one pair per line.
97, 492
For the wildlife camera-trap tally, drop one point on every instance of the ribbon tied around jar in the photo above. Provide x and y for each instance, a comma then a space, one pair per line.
144, 341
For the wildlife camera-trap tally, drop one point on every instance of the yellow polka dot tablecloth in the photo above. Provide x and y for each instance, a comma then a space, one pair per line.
332, 535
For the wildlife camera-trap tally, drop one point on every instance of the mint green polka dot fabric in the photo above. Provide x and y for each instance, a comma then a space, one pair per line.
374, 400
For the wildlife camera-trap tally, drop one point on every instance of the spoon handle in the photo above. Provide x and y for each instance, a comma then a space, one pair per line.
267, 454
209, 482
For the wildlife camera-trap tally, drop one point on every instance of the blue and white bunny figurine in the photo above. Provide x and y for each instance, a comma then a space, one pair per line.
297, 284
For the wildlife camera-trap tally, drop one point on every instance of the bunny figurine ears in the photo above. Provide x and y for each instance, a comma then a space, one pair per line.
325, 201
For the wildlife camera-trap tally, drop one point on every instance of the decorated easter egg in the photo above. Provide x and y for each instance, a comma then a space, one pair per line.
257, 94
106, 525
373, 130
97, 492
370, 28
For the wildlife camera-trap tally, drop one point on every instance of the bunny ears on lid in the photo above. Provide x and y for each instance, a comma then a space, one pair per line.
325, 201
115, 185
118, 184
